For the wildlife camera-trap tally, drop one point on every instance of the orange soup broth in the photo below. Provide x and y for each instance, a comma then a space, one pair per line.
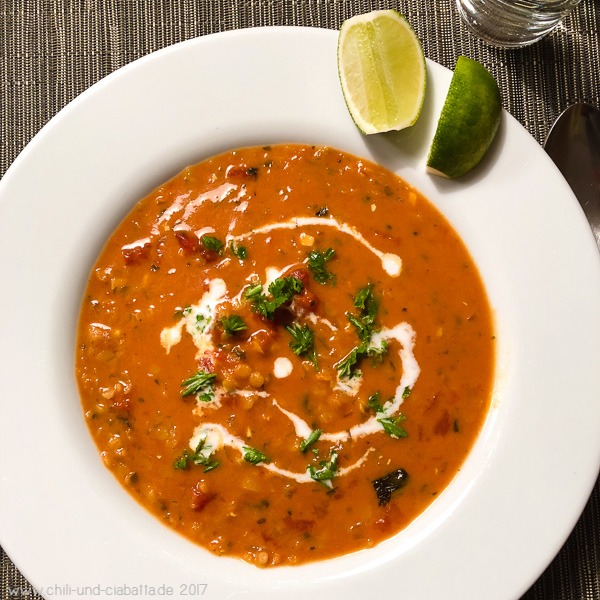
156, 265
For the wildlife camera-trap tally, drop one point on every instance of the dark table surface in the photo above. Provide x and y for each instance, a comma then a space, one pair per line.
52, 50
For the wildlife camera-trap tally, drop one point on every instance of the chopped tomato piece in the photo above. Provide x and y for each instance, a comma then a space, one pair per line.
188, 240
136, 251
200, 498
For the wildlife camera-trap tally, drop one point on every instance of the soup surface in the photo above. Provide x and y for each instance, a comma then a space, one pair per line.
285, 353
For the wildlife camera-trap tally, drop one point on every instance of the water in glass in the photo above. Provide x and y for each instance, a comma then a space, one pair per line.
513, 23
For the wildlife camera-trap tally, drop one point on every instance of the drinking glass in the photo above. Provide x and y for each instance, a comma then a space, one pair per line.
513, 23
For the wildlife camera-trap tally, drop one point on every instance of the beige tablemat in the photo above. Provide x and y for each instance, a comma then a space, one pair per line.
52, 50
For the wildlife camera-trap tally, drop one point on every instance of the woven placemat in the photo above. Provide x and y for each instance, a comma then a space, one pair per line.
52, 50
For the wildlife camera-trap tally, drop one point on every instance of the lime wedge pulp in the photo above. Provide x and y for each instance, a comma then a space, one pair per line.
382, 71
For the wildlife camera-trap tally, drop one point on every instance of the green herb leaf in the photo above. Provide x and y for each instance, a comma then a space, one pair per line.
240, 251
406, 392
315, 434
364, 299
316, 265
212, 243
363, 329
254, 456
254, 292
282, 290
210, 465
260, 303
200, 383
202, 454
392, 426
367, 304
303, 342
200, 457
364, 323
201, 323
347, 367
326, 471
374, 402
181, 462
232, 324
377, 352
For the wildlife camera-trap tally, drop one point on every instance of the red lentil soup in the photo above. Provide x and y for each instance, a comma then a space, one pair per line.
285, 353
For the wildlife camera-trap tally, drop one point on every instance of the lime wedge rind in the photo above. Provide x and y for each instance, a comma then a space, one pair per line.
468, 122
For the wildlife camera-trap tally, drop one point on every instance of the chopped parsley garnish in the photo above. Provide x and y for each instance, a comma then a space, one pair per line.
200, 457
212, 243
303, 342
348, 366
182, 461
386, 485
376, 352
232, 324
363, 329
315, 434
368, 306
254, 456
281, 290
406, 392
364, 323
365, 301
316, 265
240, 251
392, 426
201, 322
260, 303
374, 402
209, 465
202, 384
327, 470
255, 293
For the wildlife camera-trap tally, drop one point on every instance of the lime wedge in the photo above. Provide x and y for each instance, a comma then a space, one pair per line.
382, 71
469, 120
